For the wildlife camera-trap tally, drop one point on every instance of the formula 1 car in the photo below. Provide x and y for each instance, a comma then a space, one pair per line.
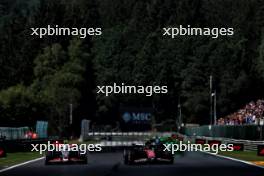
65, 156
147, 154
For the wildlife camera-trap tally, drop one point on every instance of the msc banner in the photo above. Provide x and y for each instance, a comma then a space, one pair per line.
136, 119
260, 150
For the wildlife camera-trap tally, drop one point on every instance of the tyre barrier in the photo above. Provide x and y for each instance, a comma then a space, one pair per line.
261, 150
200, 141
238, 146
213, 142
2, 152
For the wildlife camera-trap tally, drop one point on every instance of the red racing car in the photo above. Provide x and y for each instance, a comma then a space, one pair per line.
65, 156
140, 154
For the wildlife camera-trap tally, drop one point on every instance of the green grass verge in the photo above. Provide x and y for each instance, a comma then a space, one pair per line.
243, 155
16, 158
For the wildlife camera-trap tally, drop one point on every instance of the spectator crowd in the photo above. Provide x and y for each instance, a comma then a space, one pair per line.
252, 113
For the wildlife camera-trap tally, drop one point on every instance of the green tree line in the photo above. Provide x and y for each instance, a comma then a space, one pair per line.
39, 78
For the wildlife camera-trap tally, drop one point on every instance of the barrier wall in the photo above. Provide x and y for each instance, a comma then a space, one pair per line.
248, 132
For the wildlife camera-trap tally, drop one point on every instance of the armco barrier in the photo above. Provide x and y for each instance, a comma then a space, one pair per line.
124, 135
247, 132
130, 137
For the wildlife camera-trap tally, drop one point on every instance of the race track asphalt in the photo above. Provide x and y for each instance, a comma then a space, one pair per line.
111, 164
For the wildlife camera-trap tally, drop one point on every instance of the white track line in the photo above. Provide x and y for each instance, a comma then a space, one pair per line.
21, 164
233, 159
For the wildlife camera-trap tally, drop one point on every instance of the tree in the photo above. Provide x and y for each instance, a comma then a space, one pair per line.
59, 75
17, 105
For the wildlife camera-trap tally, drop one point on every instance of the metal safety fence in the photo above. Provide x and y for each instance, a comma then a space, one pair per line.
243, 132
129, 138
10, 133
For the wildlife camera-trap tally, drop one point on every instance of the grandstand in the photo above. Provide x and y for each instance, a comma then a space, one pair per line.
251, 114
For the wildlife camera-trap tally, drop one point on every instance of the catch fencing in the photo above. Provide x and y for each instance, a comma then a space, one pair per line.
9, 133
240, 132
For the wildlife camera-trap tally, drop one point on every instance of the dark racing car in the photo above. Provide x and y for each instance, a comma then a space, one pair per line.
149, 153
65, 156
